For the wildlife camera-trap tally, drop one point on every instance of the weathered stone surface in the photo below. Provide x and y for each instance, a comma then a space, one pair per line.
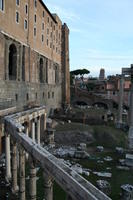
104, 186
127, 192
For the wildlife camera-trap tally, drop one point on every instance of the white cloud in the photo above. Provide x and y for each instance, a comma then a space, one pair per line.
65, 14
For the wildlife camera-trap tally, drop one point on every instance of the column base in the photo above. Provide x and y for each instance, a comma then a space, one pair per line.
8, 179
14, 191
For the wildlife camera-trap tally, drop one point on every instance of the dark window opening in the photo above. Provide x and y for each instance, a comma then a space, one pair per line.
43, 95
52, 94
36, 95
17, 17
34, 31
12, 62
17, 2
26, 9
43, 14
27, 96
48, 95
35, 3
16, 97
25, 24
35, 18
41, 71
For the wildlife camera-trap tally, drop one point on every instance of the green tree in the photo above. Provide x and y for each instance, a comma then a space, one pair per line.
77, 72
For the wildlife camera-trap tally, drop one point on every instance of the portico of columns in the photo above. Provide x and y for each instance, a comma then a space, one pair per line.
13, 176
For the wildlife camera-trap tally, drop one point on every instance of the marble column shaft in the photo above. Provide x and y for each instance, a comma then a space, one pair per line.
22, 173
8, 157
33, 130
48, 187
14, 168
38, 130
45, 116
32, 180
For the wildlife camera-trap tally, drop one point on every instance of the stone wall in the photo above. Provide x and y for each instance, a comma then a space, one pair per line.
27, 88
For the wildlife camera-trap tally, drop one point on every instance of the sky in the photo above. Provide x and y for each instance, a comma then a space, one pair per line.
101, 33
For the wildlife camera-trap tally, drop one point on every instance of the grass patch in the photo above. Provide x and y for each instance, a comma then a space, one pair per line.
73, 127
109, 136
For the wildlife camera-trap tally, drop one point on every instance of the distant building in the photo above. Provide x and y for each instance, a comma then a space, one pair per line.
113, 86
102, 74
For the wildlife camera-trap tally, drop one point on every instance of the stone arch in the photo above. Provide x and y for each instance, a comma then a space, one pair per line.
12, 67
41, 77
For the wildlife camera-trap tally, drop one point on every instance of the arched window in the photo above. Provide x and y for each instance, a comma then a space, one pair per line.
41, 71
12, 62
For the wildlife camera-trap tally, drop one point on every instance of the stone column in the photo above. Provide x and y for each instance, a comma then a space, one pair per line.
38, 130
130, 135
68, 197
45, 115
8, 158
22, 173
121, 92
14, 168
32, 180
27, 133
48, 187
33, 130
27, 129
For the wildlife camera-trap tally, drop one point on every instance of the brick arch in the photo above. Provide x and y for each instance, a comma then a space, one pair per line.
12, 66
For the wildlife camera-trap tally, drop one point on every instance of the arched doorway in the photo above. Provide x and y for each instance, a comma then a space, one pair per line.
12, 62
41, 71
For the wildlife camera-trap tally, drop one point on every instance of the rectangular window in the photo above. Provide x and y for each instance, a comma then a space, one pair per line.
26, 9
42, 26
17, 16
42, 38
34, 31
27, 96
47, 31
2, 5
17, 2
52, 94
16, 97
35, 3
35, 18
25, 24
48, 19
43, 14
48, 95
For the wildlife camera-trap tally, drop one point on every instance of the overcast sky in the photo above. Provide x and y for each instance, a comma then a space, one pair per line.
101, 33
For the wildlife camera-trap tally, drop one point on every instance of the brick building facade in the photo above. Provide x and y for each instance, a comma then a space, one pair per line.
34, 58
